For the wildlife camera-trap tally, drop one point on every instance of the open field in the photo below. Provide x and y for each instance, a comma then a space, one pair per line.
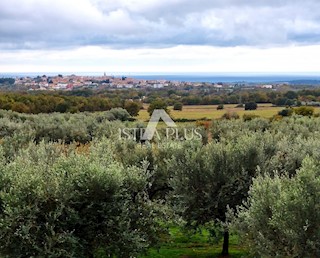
211, 112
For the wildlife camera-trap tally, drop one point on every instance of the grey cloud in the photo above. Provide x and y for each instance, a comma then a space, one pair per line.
132, 23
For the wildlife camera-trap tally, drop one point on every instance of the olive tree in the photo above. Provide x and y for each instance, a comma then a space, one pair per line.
74, 205
210, 179
132, 107
158, 104
281, 217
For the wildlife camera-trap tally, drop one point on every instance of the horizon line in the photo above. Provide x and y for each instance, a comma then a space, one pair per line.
231, 74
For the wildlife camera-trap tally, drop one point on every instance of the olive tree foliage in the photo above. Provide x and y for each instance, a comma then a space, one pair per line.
214, 177
230, 129
304, 111
80, 127
107, 198
158, 104
118, 114
74, 205
217, 176
133, 107
281, 217
130, 153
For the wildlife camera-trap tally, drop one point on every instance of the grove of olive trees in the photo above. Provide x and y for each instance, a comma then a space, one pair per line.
72, 186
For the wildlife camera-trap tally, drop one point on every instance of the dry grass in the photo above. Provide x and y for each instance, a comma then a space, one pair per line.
211, 112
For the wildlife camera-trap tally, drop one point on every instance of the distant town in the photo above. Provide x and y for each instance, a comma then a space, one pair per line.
71, 82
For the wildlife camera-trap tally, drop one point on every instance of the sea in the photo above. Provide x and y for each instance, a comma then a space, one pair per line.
305, 78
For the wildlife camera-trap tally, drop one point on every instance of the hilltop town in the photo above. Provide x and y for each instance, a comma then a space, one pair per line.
71, 82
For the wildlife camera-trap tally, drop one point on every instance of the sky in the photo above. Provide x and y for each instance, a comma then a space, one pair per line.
160, 36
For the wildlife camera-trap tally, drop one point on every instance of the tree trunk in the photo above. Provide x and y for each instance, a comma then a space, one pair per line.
225, 249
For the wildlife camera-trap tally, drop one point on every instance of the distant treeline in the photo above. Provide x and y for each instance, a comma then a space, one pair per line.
48, 103
210, 96
7, 81
102, 100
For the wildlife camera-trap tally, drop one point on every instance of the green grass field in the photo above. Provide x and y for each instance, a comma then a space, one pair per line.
211, 112
182, 245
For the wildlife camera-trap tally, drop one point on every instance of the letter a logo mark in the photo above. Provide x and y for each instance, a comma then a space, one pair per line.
154, 120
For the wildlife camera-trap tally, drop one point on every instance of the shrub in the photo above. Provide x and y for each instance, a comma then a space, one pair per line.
230, 115
250, 106
304, 111
220, 107
286, 112
178, 106
249, 117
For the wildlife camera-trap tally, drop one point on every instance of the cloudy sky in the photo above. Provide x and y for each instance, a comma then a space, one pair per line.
148, 36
